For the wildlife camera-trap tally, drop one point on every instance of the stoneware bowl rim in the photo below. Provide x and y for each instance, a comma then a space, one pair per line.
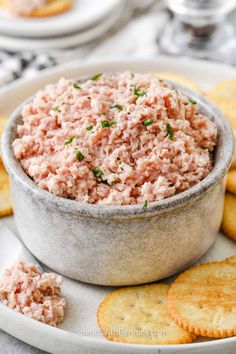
127, 211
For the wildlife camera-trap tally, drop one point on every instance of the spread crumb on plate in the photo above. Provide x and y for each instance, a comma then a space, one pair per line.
26, 289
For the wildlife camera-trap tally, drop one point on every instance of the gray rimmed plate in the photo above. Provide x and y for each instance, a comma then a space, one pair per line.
79, 332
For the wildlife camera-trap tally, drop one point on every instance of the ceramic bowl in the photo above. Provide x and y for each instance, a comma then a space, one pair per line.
121, 245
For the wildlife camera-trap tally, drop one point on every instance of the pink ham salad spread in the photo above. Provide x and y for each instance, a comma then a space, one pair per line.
33, 293
114, 140
25, 7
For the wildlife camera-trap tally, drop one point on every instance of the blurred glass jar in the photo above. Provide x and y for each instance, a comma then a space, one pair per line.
200, 29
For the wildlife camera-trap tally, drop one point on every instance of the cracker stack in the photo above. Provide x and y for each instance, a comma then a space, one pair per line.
200, 302
223, 95
138, 315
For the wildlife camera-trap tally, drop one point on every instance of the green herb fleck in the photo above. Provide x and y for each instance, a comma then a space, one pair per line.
148, 122
56, 108
118, 106
192, 100
96, 76
69, 140
76, 86
104, 113
145, 204
119, 160
106, 124
138, 92
132, 75
89, 127
79, 156
97, 172
169, 132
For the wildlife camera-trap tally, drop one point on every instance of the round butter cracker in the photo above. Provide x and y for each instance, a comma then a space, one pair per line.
138, 315
225, 89
202, 300
229, 216
223, 95
50, 8
231, 259
5, 198
231, 182
3, 122
179, 79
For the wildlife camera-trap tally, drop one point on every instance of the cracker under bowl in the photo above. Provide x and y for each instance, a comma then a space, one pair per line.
121, 245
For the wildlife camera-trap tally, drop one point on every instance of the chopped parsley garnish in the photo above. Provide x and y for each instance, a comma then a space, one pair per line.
96, 76
79, 156
76, 86
118, 106
138, 92
69, 140
119, 160
55, 109
104, 113
106, 124
169, 132
192, 100
97, 172
89, 127
148, 122
145, 204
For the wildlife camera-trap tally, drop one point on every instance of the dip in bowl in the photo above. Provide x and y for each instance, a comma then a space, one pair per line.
117, 179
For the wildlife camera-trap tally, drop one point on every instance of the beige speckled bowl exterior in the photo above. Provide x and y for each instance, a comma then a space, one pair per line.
121, 245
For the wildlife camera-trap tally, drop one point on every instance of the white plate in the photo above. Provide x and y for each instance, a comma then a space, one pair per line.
83, 14
79, 332
66, 41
